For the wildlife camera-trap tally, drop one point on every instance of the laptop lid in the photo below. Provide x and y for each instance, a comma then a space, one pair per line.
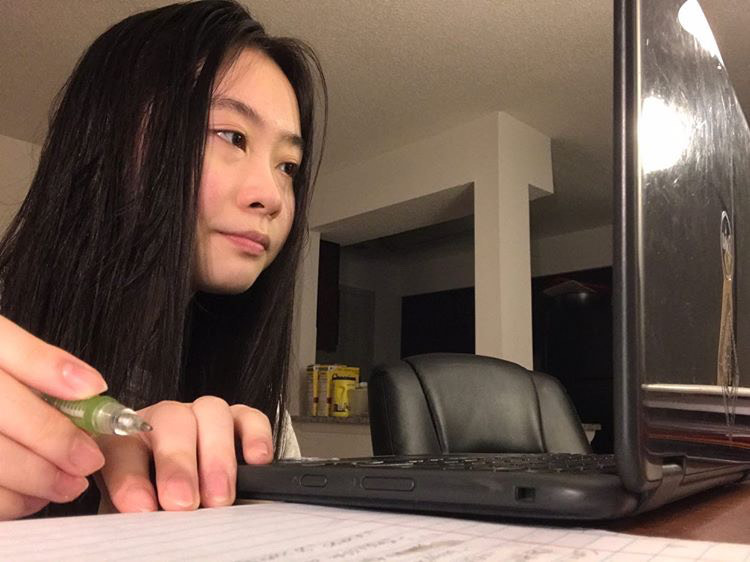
682, 265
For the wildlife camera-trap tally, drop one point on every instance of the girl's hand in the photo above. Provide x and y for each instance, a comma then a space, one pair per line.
192, 446
43, 456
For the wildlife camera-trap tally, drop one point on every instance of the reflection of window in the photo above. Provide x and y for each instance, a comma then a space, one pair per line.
438, 322
327, 322
572, 318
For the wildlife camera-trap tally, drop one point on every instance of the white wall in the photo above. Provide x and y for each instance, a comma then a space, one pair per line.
441, 266
449, 264
18, 161
574, 251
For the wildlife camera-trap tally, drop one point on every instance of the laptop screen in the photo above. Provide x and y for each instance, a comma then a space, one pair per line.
690, 260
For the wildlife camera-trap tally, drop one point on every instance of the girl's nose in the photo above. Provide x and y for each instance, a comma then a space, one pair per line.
260, 189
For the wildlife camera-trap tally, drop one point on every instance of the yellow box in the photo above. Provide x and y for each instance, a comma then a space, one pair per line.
320, 385
341, 407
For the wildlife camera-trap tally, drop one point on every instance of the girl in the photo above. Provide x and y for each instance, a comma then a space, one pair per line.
158, 246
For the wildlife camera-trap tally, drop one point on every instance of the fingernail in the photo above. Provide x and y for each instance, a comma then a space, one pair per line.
217, 487
179, 492
257, 452
137, 498
67, 487
82, 381
85, 455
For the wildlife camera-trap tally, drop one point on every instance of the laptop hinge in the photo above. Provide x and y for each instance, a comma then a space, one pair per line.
672, 474
675, 485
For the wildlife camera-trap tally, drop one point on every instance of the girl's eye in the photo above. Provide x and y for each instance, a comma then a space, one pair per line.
289, 168
233, 138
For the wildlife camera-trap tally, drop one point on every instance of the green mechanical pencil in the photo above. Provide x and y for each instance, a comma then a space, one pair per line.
100, 415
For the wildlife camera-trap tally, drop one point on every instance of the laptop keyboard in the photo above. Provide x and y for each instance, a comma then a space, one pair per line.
543, 462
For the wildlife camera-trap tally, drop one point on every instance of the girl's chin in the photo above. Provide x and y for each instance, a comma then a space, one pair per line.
224, 290
226, 286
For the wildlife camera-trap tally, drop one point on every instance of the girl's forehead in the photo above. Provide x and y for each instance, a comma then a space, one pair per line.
257, 81
250, 67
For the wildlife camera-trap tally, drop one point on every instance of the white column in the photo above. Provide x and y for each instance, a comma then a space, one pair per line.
304, 329
502, 264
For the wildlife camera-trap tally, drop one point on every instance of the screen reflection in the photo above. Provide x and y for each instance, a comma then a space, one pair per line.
694, 147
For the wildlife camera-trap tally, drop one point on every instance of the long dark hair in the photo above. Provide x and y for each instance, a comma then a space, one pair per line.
98, 260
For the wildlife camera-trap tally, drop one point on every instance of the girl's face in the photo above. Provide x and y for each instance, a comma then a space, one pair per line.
246, 198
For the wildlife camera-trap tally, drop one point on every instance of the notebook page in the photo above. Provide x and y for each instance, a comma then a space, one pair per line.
278, 531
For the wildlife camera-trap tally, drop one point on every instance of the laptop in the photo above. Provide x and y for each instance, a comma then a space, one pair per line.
682, 313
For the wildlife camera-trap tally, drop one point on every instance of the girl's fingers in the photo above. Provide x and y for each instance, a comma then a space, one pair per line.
43, 456
28, 420
27, 474
14, 505
254, 430
45, 367
173, 445
217, 464
126, 474
193, 451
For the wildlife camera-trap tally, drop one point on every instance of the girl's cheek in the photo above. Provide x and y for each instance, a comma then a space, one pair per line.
209, 190
290, 217
208, 194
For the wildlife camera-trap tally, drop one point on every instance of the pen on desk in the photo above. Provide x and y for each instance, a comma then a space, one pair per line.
100, 415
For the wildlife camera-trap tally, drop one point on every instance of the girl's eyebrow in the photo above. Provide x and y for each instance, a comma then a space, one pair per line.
251, 115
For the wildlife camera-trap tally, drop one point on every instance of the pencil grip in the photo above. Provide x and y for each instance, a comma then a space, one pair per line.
83, 413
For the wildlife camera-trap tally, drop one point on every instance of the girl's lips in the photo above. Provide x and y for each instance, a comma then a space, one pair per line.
252, 243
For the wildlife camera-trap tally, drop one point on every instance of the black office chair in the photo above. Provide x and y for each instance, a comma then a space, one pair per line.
460, 403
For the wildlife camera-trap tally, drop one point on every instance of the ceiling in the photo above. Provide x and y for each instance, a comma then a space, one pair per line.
399, 70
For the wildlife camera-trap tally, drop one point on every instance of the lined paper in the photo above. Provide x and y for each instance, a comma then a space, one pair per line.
280, 532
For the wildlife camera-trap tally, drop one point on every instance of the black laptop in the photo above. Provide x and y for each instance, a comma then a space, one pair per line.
682, 313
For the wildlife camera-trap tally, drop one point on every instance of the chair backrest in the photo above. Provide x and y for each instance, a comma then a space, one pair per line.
461, 403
